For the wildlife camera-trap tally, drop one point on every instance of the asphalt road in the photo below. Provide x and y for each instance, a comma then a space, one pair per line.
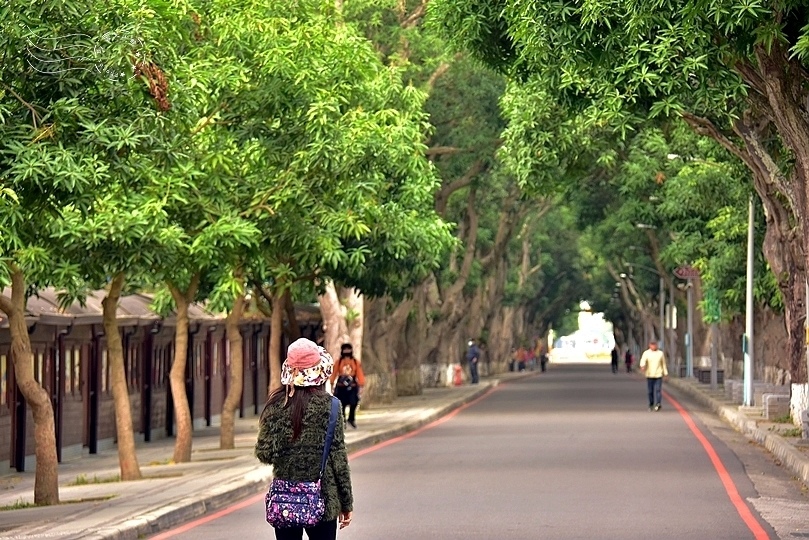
568, 454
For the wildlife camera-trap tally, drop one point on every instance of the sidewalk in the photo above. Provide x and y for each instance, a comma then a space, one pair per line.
171, 494
792, 452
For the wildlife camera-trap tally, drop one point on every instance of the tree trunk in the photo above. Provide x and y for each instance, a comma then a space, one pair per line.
234, 395
46, 479
276, 327
127, 456
182, 410
293, 330
385, 331
342, 313
781, 81
334, 325
783, 246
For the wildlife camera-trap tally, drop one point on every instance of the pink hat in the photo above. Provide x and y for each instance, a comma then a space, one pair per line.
307, 364
303, 354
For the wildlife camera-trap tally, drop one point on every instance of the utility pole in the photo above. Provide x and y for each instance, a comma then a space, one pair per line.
689, 273
713, 314
689, 361
747, 347
662, 343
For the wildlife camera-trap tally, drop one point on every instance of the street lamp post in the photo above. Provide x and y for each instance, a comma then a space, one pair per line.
747, 346
662, 295
689, 273
689, 364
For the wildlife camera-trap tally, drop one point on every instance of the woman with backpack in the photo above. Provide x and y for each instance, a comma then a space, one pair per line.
347, 382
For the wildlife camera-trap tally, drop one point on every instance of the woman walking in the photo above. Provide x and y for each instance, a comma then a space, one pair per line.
292, 436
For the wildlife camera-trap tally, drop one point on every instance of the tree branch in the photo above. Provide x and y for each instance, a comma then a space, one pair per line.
443, 195
509, 219
439, 72
705, 127
471, 247
412, 20
30, 107
443, 151
751, 76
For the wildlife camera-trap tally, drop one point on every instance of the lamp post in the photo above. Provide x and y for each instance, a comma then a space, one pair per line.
747, 345
689, 273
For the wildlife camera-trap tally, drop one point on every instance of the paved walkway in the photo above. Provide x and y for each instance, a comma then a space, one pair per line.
792, 452
171, 494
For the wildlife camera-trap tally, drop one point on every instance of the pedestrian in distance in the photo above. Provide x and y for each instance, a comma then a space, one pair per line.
543, 361
348, 381
522, 354
531, 359
628, 360
292, 437
653, 365
614, 359
473, 358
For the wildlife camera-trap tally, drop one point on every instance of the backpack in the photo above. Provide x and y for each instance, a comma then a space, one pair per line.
346, 382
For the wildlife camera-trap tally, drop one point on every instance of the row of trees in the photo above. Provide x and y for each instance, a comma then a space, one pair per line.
514, 269
207, 152
198, 150
602, 74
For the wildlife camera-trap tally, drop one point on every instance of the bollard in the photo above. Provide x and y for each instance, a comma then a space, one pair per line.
805, 423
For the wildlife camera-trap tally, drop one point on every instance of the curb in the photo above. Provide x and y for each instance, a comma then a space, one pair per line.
791, 458
253, 482
166, 517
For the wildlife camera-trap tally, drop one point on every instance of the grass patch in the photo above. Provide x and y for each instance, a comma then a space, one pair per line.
19, 504
794, 432
786, 419
89, 499
84, 480
224, 458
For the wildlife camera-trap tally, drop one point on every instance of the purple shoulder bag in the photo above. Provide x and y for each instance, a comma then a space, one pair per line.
300, 504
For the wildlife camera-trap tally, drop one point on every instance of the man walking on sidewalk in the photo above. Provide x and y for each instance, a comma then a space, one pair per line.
653, 364
614, 358
473, 357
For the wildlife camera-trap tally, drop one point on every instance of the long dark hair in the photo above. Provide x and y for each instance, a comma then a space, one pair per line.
297, 403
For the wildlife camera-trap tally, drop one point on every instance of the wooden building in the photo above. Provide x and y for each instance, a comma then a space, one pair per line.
70, 361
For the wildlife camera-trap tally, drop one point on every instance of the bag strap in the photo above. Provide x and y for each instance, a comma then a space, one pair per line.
335, 409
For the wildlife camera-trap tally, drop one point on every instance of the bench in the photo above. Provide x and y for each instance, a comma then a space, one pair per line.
760, 388
734, 391
704, 375
775, 406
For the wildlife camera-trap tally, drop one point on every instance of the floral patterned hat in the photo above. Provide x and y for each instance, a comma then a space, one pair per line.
307, 364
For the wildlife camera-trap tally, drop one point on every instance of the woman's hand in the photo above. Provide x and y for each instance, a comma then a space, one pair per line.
345, 519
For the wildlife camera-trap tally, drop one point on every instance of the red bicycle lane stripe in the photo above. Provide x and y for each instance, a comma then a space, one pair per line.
727, 482
724, 476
